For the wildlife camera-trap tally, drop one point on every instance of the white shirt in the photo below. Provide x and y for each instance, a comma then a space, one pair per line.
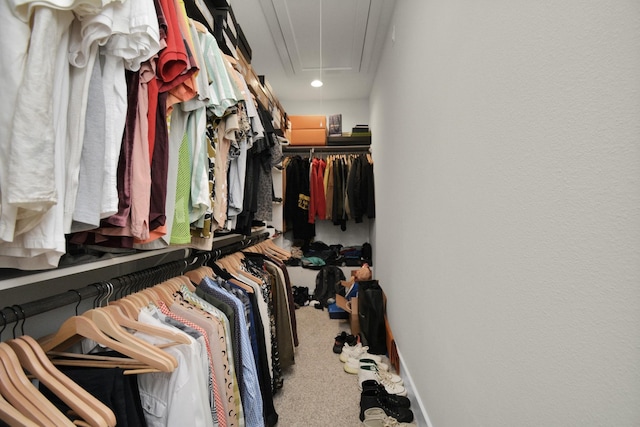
86, 215
14, 42
31, 161
79, 96
115, 100
175, 398
41, 245
136, 36
88, 32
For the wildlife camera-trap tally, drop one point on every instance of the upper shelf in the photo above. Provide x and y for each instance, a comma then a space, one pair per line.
326, 148
102, 269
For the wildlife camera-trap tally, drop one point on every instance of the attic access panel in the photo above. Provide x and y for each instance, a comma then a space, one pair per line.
295, 27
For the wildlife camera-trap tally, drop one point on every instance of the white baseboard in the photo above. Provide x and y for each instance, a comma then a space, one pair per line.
421, 418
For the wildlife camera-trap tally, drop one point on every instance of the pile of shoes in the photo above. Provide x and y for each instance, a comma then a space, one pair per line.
383, 401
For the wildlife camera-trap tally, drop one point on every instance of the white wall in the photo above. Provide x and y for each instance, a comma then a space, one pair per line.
508, 220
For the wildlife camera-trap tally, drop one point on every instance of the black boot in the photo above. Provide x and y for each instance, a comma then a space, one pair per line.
371, 400
373, 388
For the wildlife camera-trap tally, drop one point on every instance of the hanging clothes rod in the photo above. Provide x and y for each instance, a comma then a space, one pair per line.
333, 149
238, 246
123, 285
120, 286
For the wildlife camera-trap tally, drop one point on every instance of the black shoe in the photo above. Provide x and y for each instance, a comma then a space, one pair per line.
374, 388
370, 400
352, 340
341, 339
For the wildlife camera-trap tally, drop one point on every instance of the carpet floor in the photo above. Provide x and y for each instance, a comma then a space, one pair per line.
317, 391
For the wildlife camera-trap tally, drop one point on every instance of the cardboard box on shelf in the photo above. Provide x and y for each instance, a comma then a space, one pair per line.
308, 122
308, 136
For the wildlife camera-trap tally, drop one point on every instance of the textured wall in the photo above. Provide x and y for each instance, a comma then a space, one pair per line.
507, 149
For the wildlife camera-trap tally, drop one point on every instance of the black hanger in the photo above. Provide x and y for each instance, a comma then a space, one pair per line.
79, 299
24, 318
4, 323
221, 271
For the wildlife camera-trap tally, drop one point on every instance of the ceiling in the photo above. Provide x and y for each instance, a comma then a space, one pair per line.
285, 39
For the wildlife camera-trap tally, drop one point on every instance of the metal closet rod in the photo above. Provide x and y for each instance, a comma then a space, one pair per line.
121, 285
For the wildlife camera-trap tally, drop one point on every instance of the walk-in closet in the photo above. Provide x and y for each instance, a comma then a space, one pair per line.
319, 213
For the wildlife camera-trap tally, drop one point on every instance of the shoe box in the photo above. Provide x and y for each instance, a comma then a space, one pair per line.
351, 308
308, 130
336, 312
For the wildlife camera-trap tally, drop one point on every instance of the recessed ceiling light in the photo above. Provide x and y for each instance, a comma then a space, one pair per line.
316, 83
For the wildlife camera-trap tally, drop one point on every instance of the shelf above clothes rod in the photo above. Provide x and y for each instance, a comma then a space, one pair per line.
330, 149
152, 263
92, 271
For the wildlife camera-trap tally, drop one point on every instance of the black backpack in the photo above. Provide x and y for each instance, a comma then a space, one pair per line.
327, 284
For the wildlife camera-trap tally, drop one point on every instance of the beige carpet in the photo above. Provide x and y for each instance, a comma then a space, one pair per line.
317, 391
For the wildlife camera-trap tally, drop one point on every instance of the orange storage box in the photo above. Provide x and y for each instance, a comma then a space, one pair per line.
308, 137
308, 122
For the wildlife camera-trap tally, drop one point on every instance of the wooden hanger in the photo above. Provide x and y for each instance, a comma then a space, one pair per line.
17, 401
196, 276
173, 286
233, 264
90, 360
84, 326
86, 397
69, 392
243, 285
138, 301
165, 294
128, 307
12, 416
185, 281
127, 322
269, 248
157, 358
147, 296
45, 413
227, 263
276, 251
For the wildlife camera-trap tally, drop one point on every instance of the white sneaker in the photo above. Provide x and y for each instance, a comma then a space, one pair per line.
370, 372
376, 417
352, 365
369, 361
357, 351
384, 375
391, 377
